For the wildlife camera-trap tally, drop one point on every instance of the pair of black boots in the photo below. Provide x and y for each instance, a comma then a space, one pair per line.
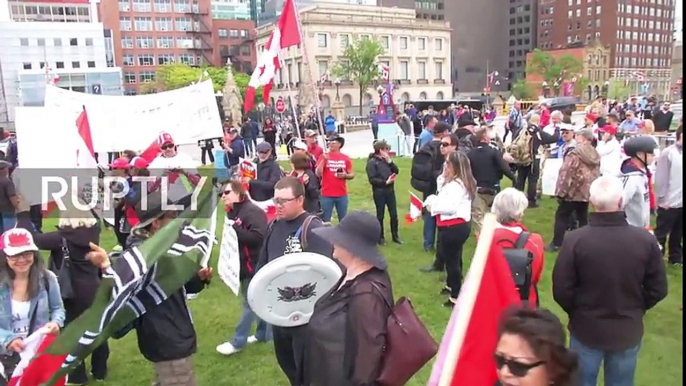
394, 232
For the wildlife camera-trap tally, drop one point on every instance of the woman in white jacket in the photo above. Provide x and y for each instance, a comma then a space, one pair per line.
610, 151
452, 208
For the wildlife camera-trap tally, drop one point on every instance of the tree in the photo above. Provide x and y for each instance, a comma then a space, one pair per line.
618, 90
522, 90
359, 64
242, 81
554, 71
580, 86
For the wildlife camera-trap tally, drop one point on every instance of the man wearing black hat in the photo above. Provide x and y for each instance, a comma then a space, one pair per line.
268, 174
166, 336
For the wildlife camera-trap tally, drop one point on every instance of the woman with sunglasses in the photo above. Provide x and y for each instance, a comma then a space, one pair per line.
531, 350
449, 144
29, 293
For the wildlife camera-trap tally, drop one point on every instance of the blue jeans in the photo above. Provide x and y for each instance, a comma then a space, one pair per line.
328, 203
263, 333
619, 367
8, 221
429, 230
249, 149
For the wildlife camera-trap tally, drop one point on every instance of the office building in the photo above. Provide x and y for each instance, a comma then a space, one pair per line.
270, 10
234, 40
231, 9
521, 36
416, 51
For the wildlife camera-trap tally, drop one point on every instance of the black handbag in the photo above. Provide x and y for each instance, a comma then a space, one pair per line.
63, 272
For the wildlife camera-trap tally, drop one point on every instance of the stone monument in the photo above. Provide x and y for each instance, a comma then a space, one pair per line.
498, 105
232, 102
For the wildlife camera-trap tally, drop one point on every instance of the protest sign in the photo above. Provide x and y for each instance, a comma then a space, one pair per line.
229, 265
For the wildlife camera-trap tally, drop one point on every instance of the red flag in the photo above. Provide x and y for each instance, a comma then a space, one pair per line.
85, 130
286, 34
35, 367
151, 152
416, 206
488, 290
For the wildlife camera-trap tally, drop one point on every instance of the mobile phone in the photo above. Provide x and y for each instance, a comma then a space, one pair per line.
393, 176
340, 170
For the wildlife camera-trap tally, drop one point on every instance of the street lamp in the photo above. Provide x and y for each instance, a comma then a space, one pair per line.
338, 86
545, 88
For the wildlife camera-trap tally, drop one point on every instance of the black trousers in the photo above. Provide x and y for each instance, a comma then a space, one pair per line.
385, 198
206, 152
289, 347
415, 148
36, 216
98, 357
670, 223
528, 174
564, 212
451, 239
375, 131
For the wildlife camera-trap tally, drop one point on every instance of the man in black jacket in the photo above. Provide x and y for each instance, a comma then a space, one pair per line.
166, 336
663, 118
488, 168
381, 173
250, 223
607, 275
268, 174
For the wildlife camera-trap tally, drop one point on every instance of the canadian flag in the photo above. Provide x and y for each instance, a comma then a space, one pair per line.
36, 368
416, 206
286, 34
385, 72
465, 356
640, 76
267, 206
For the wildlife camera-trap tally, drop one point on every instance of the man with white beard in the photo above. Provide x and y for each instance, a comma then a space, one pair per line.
178, 168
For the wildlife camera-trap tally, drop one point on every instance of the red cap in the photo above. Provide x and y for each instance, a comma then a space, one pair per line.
120, 163
641, 124
591, 117
164, 138
609, 129
139, 162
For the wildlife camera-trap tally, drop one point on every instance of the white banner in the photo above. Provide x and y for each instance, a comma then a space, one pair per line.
120, 122
551, 171
229, 265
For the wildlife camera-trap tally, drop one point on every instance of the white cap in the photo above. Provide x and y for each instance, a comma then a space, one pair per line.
17, 241
299, 145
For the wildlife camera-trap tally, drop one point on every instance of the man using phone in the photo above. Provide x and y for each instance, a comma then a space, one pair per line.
381, 172
334, 169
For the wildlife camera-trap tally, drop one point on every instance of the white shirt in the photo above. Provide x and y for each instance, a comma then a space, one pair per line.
610, 157
179, 187
451, 202
20, 318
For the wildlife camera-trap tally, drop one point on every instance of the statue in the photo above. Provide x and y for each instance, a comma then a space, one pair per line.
232, 102
306, 99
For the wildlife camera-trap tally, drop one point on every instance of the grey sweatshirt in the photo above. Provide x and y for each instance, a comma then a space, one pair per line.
669, 178
636, 197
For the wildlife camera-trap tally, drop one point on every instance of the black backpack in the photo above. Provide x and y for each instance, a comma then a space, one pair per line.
520, 260
422, 174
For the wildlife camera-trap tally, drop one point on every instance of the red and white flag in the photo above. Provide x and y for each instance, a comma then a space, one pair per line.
286, 34
466, 353
640, 76
36, 368
385, 72
416, 206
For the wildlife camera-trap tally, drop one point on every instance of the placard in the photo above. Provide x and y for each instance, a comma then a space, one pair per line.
247, 169
551, 172
229, 265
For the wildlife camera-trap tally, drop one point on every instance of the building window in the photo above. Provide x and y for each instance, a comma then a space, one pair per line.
184, 42
142, 6
364, 36
89, 41
421, 44
439, 70
146, 60
42, 65
57, 42
163, 24
165, 42
27, 65
130, 77
165, 59
244, 33
124, 5
183, 24
59, 64
402, 42
233, 34
40, 42
345, 41
439, 44
223, 33
73, 42
245, 50
76, 64
578, 13
385, 42
187, 59
421, 70
182, 6
163, 6
144, 42
91, 64
125, 23
24, 41
404, 69
589, 11
323, 67
127, 42
127, 60
143, 23
146, 76
322, 40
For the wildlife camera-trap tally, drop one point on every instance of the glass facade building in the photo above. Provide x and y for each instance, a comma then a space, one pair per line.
32, 85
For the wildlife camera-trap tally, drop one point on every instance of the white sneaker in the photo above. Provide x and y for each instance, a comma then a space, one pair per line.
116, 248
252, 339
227, 349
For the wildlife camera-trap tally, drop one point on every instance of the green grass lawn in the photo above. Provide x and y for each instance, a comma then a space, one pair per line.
217, 309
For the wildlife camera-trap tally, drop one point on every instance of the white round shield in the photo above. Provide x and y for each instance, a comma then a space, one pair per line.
284, 291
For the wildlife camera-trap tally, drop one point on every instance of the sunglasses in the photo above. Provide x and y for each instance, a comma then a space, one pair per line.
226, 192
518, 369
283, 201
167, 147
446, 144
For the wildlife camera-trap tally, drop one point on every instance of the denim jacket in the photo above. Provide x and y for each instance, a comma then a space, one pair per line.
48, 305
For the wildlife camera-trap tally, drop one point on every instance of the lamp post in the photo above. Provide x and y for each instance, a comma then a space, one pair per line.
338, 86
545, 88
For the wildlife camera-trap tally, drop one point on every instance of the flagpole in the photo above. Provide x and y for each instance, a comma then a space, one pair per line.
306, 62
289, 92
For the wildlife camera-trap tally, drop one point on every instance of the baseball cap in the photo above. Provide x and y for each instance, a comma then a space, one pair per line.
164, 139
139, 162
565, 127
591, 117
120, 163
609, 129
17, 241
300, 145
310, 133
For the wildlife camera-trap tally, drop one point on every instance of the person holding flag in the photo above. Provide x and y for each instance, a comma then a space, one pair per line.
176, 167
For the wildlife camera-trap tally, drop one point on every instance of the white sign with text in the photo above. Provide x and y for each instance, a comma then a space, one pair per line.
229, 265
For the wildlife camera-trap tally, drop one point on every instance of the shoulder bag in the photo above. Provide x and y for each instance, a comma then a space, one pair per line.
63, 272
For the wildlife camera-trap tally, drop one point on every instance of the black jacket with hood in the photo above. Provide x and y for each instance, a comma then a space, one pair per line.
165, 332
268, 174
250, 224
378, 172
85, 277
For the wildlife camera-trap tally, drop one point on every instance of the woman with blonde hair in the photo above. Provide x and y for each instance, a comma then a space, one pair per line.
452, 207
69, 244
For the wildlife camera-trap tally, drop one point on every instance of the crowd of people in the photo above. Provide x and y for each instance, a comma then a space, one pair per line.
610, 163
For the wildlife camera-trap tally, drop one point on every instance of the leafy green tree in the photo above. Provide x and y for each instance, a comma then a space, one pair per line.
554, 71
359, 64
618, 90
580, 86
522, 90
242, 81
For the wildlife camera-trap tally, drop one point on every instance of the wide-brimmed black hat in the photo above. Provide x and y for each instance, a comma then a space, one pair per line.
154, 209
337, 138
358, 233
